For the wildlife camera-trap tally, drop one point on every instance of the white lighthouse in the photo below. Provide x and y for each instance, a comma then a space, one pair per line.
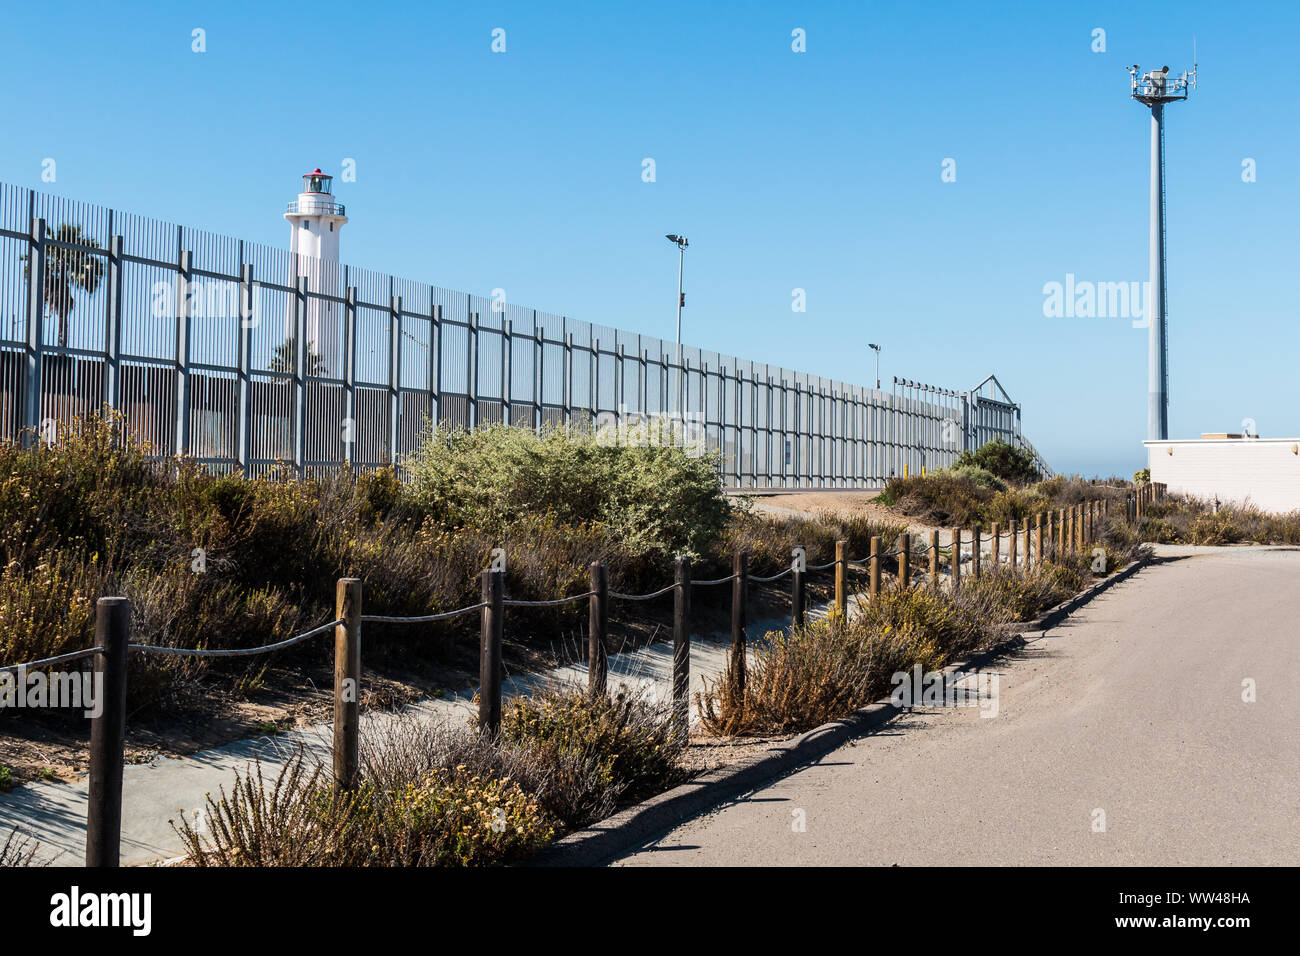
316, 220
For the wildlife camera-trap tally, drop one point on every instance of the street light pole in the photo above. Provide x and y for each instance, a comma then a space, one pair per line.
876, 348
681, 243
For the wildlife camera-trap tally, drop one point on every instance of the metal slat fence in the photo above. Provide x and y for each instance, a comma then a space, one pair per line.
247, 357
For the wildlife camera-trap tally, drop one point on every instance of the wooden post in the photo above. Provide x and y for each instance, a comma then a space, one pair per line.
905, 560
934, 560
1078, 527
1015, 542
1051, 535
108, 734
347, 682
1038, 537
489, 658
682, 648
1063, 547
995, 543
954, 562
874, 567
841, 579
597, 630
975, 552
798, 589
739, 589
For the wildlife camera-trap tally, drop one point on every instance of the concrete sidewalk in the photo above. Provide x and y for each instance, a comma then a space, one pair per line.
1122, 738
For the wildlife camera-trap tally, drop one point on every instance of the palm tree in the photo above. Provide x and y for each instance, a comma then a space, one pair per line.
283, 359
67, 270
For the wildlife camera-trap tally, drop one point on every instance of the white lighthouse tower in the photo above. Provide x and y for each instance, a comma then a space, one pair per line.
316, 220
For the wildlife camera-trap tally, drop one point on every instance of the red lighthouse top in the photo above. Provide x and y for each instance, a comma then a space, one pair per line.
317, 182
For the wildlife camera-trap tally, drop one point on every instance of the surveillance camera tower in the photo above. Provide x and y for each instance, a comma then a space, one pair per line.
1154, 89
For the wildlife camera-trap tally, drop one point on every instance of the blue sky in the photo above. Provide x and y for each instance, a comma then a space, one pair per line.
817, 170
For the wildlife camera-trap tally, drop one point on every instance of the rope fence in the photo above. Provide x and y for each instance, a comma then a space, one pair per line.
1062, 531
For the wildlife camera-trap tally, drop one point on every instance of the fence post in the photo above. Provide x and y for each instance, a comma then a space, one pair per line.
1014, 542
597, 629
875, 567
905, 560
975, 552
682, 648
934, 560
471, 365
184, 278
347, 682
797, 588
1038, 536
299, 359
108, 734
995, 545
113, 327
739, 589
841, 578
955, 560
247, 309
35, 332
489, 659
350, 430
1078, 527
394, 376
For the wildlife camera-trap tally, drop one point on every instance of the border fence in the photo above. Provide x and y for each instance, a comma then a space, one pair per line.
246, 357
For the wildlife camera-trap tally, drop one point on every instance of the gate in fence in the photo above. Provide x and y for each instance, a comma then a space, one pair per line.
244, 357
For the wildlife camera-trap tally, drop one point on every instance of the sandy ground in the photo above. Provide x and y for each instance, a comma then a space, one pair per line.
833, 502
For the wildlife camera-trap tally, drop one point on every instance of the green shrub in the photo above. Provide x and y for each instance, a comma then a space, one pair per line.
1224, 527
430, 795
1003, 460
447, 817
1157, 530
827, 669
978, 476
1142, 476
941, 499
629, 741
658, 499
1021, 594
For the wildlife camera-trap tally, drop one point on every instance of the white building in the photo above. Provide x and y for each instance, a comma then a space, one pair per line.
1236, 469
316, 220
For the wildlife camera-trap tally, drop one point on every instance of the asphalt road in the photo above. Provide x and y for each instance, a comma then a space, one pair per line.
1121, 738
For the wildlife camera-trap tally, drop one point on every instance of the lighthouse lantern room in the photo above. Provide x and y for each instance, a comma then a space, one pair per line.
316, 218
